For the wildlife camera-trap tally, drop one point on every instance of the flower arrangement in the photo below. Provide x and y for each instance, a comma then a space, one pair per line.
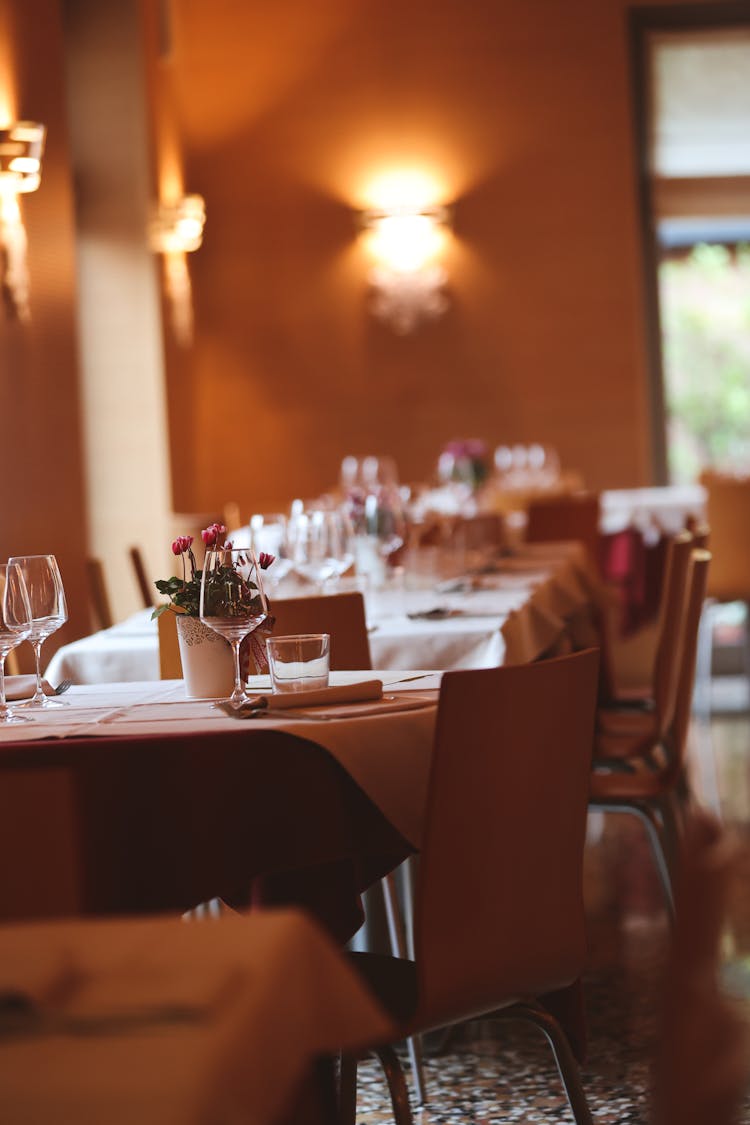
185, 593
465, 461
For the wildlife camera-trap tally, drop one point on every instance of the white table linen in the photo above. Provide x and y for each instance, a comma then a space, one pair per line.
494, 624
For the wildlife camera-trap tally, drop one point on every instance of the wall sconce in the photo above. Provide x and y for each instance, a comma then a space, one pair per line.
21, 146
408, 285
176, 230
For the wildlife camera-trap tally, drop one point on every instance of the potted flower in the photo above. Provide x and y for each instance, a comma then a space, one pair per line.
464, 462
206, 658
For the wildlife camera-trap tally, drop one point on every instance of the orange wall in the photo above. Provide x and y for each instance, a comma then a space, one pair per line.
523, 110
42, 504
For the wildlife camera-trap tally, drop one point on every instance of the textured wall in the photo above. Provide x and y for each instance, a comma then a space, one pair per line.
523, 112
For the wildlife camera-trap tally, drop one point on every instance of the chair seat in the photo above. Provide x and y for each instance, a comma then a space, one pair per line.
642, 783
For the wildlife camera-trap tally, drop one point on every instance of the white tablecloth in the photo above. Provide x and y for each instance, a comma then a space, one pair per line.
263, 995
513, 616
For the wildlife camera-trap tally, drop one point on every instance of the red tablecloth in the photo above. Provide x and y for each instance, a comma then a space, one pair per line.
163, 824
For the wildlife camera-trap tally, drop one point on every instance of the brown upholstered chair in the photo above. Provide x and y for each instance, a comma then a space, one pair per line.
728, 514
509, 779
656, 789
170, 664
341, 615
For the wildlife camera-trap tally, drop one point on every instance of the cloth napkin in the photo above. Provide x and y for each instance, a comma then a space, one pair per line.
343, 693
22, 687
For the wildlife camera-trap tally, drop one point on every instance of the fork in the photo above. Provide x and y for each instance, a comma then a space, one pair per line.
63, 686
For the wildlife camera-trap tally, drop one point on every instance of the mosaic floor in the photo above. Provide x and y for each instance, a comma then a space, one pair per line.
491, 1075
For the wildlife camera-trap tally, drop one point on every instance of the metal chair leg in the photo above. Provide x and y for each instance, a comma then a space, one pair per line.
398, 939
648, 818
566, 1064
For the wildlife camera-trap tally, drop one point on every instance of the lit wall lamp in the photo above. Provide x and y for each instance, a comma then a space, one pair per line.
21, 147
176, 230
408, 283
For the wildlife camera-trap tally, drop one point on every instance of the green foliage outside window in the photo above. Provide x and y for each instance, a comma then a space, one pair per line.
705, 304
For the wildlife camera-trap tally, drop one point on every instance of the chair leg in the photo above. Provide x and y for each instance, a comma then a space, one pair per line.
398, 938
566, 1063
648, 818
396, 1085
347, 1089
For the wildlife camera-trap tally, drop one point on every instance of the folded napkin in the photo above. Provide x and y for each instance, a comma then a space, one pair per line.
22, 687
343, 693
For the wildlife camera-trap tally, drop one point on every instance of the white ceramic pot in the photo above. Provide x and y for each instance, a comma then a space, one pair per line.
207, 665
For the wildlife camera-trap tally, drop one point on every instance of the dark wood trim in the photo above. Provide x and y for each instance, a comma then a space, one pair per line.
641, 21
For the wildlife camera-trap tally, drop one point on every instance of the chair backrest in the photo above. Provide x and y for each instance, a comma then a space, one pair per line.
341, 615
728, 513
499, 911
697, 586
98, 593
146, 589
170, 664
471, 533
671, 628
566, 517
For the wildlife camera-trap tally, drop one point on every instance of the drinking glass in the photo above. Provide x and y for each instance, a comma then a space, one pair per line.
41, 576
268, 532
15, 626
320, 544
233, 603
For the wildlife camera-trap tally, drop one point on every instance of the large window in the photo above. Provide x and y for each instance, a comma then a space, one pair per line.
694, 77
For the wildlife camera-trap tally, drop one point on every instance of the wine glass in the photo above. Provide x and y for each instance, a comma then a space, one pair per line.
232, 602
44, 586
15, 626
320, 544
268, 533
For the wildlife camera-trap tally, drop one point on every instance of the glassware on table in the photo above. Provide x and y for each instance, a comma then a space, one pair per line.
49, 612
300, 662
268, 533
368, 472
15, 626
233, 603
320, 545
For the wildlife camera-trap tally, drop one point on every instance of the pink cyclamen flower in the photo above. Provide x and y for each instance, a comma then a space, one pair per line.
210, 535
181, 544
228, 545
265, 560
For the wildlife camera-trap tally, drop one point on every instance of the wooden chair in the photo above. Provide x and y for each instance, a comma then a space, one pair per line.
170, 664
472, 533
656, 702
656, 789
146, 588
341, 615
509, 778
574, 517
98, 595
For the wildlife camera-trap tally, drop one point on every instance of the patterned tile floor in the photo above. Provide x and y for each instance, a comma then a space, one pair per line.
491, 1075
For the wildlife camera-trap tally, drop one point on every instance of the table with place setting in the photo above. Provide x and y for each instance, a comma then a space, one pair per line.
509, 612
133, 798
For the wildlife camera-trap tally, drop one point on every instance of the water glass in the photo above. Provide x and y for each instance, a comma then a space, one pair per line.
299, 663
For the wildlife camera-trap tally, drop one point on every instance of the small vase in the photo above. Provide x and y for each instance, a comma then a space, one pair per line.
207, 665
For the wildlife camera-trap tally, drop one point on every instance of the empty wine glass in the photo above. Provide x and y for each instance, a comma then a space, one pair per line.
268, 533
15, 626
232, 603
320, 544
41, 576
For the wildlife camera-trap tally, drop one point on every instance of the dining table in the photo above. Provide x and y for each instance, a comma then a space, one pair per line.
131, 798
510, 610
159, 1022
